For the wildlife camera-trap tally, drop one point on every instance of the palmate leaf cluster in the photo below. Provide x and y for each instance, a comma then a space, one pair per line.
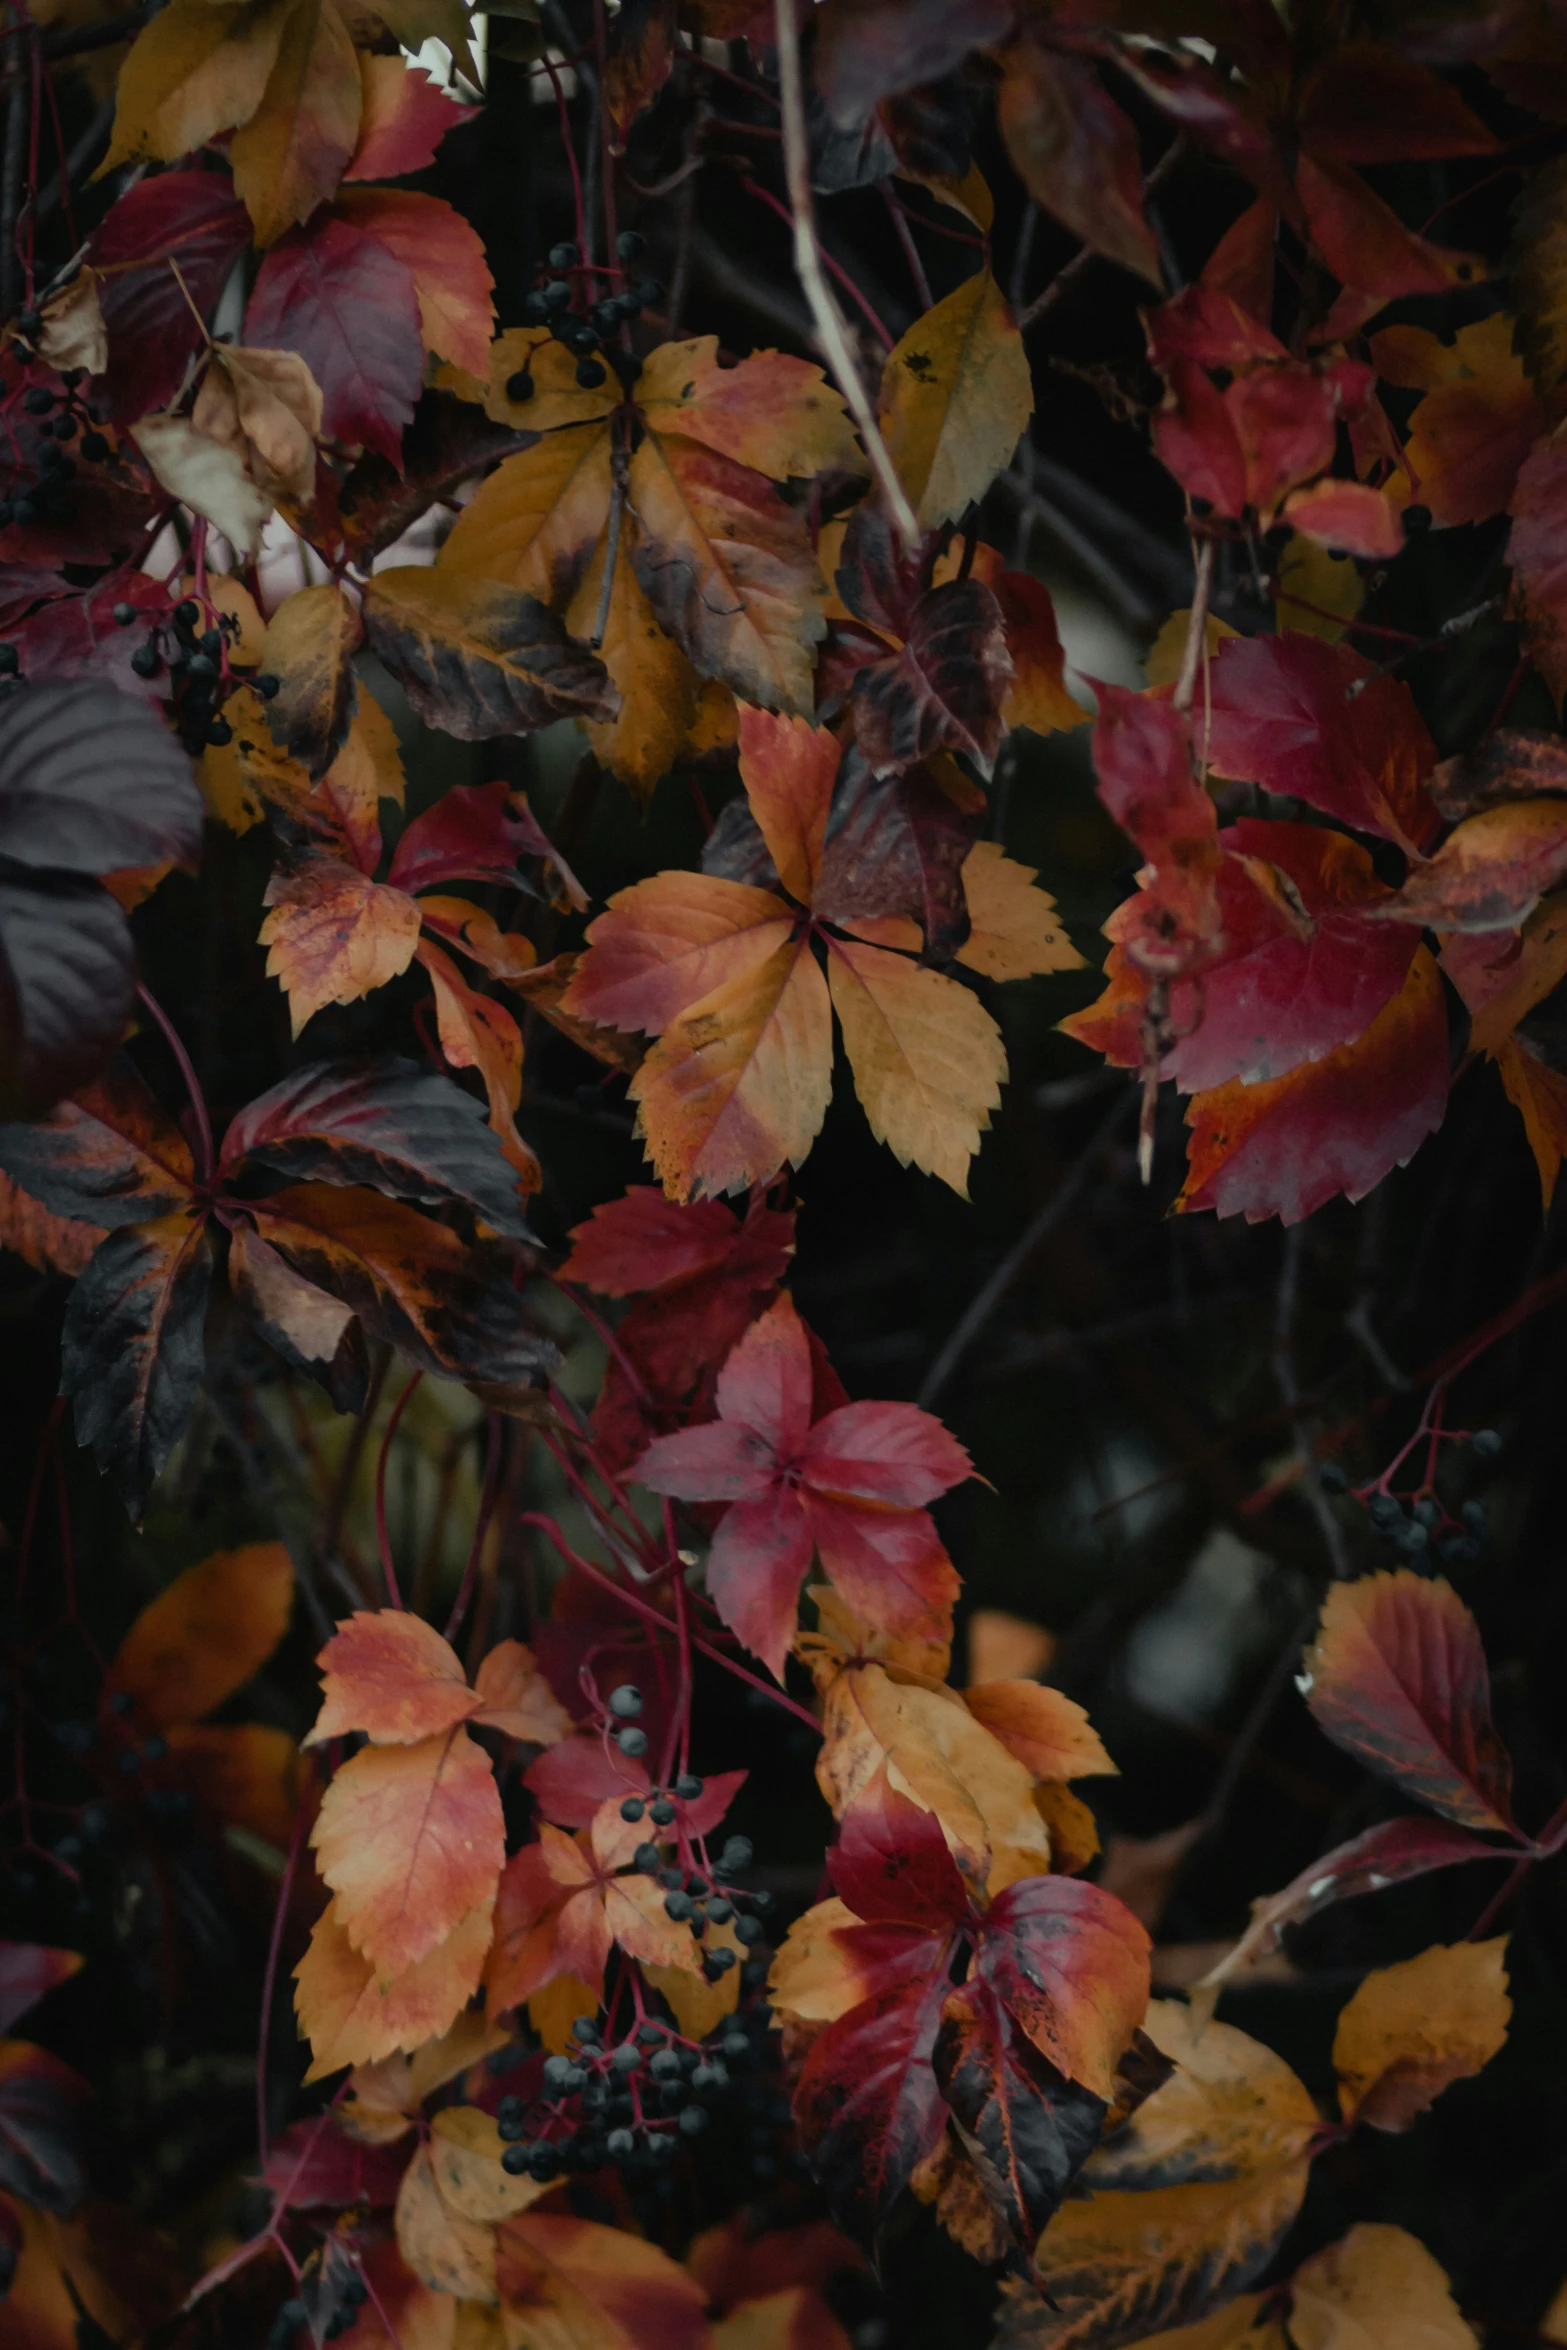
561, 810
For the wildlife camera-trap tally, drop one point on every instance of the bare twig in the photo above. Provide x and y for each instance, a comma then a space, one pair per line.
986, 1299
1083, 259
813, 281
1196, 628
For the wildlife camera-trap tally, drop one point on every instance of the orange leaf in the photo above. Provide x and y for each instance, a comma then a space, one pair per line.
352, 2014
571, 2281
1490, 872
247, 1772
515, 1697
391, 1675
410, 1839
788, 767
739, 1083
478, 1033
1539, 1096
775, 413
1050, 1734
334, 935
207, 1634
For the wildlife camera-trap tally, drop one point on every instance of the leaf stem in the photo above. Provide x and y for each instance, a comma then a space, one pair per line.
205, 1158
382, 1538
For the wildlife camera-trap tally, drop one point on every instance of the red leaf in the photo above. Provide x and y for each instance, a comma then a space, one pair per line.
193, 218
1281, 992
477, 832
348, 307
1284, 1146
868, 2104
1397, 1676
78, 636
391, 1675
315, 2164
1301, 716
1388, 1854
405, 118
1072, 1964
891, 1861
572, 1781
644, 1241
763, 1455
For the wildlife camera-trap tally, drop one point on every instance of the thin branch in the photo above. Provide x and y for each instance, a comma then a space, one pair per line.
1196, 628
985, 1301
813, 282
1084, 258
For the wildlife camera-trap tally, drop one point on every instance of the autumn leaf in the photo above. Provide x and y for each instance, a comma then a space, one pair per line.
724, 973
1049, 1733
573, 2280
403, 119
955, 400
564, 1905
206, 1634
1490, 872
1397, 1676
714, 576
1076, 152
1539, 1094
333, 935
208, 476
294, 149
849, 1489
1476, 423
266, 407
1182, 2207
477, 659
1412, 2029
1378, 2285
1283, 1146
410, 1840
392, 1676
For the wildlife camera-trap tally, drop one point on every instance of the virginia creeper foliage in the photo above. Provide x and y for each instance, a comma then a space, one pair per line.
695, 702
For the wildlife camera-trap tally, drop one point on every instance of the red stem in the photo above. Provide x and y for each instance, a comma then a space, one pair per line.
382, 1538
764, 196
205, 1159
269, 1979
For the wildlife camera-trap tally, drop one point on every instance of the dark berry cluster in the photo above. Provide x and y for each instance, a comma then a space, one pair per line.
293, 2313
1419, 1526
587, 326
195, 648
631, 2104
45, 490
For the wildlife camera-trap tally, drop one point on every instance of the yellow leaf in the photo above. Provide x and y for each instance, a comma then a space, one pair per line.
1225, 2141
383, 2097
698, 2006
554, 2010
465, 2157
1317, 593
310, 644
1412, 2029
1015, 931
293, 151
813, 1977
1377, 2290
956, 397
927, 1057
353, 2015
660, 692
446, 2251
942, 1759
200, 68
1168, 650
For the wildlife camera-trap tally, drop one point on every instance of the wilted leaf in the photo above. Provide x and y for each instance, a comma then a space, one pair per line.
208, 476
477, 659
133, 1347
1378, 2287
